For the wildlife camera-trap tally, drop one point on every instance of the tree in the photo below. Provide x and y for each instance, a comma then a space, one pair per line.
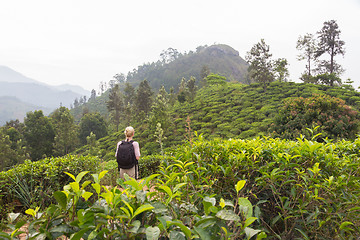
39, 135
129, 94
261, 65
307, 44
281, 71
115, 105
7, 154
191, 87
160, 109
66, 138
120, 78
93, 95
329, 42
169, 55
92, 122
143, 99
335, 119
205, 71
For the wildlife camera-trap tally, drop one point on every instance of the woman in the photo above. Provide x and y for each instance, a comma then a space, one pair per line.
128, 154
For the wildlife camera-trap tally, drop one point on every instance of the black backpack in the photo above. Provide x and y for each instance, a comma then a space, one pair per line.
125, 156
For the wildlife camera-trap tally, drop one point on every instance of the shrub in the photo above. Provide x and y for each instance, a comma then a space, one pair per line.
336, 120
42, 178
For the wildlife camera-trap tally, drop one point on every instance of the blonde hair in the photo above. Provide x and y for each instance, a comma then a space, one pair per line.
129, 132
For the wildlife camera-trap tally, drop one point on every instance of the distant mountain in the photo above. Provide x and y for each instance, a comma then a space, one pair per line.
21, 94
12, 108
9, 75
220, 59
74, 88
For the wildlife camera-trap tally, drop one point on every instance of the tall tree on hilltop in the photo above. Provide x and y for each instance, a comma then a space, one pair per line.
39, 135
66, 137
92, 95
329, 42
261, 65
143, 99
129, 94
281, 71
307, 44
115, 105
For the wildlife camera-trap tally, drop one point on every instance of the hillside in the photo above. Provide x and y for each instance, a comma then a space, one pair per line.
220, 59
233, 110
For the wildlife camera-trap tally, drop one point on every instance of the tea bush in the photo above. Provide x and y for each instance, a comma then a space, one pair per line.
134, 212
301, 189
34, 182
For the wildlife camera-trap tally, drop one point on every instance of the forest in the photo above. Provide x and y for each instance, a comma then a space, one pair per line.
225, 153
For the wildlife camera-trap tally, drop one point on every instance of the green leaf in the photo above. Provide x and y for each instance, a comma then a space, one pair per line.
86, 195
80, 176
136, 226
240, 184
251, 232
249, 221
344, 225
178, 186
143, 208
176, 235
183, 228
61, 199
206, 222
261, 235
78, 235
149, 178
72, 176
85, 184
102, 174
203, 233
222, 203
92, 235
246, 207
167, 190
75, 186
135, 184
227, 215
97, 187
31, 212
141, 196
152, 233
20, 224
303, 233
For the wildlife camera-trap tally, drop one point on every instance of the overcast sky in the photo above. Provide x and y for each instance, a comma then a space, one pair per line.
84, 42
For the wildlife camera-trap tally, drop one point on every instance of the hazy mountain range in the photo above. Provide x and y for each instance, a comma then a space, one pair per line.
20, 94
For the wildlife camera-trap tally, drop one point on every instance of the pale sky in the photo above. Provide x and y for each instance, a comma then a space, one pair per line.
84, 42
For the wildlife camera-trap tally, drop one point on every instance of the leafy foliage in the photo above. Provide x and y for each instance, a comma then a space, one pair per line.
42, 177
39, 135
335, 119
221, 59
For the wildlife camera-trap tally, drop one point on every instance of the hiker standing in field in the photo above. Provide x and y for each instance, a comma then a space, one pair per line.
127, 155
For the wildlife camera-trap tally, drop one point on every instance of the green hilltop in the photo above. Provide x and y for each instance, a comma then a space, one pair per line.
220, 59
232, 110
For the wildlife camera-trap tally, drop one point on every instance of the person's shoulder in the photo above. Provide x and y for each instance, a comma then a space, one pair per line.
135, 143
